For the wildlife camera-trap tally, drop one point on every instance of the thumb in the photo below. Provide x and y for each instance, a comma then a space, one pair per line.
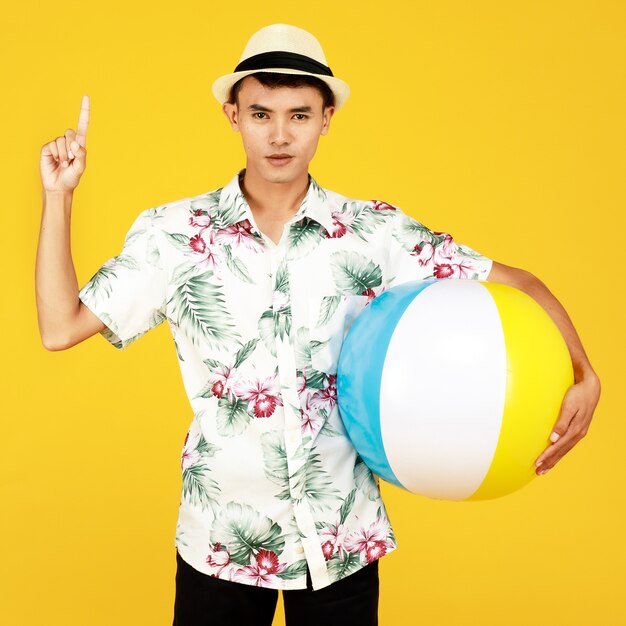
80, 155
569, 408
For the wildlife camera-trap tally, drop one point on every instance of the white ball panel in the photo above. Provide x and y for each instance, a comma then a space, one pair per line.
440, 437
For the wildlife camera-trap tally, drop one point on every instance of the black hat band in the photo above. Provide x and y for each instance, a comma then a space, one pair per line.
286, 60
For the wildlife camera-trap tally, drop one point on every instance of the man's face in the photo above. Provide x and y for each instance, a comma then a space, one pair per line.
280, 128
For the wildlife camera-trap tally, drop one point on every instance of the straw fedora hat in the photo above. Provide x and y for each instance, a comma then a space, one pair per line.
282, 49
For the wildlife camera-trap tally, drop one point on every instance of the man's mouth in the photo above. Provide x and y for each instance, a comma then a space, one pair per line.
279, 158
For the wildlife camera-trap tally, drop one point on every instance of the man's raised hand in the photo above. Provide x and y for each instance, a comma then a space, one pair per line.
63, 160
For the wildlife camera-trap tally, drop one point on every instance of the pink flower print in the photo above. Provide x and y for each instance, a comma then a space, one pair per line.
218, 389
268, 561
443, 270
264, 406
311, 420
239, 235
447, 247
190, 456
462, 269
375, 551
424, 252
328, 548
261, 570
301, 383
199, 218
338, 230
280, 300
225, 381
382, 206
218, 557
204, 252
331, 536
197, 244
325, 398
342, 221
263, 396
371, 542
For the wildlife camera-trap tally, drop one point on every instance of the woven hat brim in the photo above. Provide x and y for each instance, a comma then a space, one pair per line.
221, 86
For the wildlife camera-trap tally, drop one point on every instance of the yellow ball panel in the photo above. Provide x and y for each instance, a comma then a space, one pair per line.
539, 371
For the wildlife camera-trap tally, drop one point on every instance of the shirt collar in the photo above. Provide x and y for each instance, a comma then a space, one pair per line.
234, 208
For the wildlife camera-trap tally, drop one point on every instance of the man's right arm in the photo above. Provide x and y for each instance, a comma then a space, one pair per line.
63, 319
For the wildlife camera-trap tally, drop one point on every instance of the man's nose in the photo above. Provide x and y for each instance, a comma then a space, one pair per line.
279, 133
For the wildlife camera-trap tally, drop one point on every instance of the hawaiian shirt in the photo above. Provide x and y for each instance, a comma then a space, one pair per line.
271, 484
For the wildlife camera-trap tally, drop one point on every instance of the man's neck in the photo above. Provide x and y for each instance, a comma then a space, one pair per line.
278, 200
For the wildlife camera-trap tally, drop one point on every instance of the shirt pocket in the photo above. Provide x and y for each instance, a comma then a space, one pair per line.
330, 318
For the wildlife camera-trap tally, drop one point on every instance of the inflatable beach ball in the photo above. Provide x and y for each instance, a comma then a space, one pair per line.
450, 388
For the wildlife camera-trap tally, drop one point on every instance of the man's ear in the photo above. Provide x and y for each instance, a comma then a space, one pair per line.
231, 113
326, 115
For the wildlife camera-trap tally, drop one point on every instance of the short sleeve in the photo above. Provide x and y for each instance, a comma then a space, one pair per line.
128, 293
418, 253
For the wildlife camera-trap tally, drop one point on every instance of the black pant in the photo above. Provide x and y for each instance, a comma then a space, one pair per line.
203, 600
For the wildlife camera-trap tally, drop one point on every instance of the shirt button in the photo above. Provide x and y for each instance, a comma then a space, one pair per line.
299, 550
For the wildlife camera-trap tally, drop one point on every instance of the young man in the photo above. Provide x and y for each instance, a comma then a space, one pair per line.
258, 281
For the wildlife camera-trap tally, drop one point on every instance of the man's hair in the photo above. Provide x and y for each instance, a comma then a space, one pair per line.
273, 80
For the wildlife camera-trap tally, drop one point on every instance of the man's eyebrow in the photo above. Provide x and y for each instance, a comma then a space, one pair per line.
260, 107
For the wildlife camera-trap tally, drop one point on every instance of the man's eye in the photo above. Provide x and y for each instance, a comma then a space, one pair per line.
300, 116
259, 113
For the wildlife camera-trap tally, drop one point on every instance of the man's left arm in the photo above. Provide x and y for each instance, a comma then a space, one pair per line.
582, 397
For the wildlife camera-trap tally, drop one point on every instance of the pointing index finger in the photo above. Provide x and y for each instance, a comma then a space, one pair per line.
83, 122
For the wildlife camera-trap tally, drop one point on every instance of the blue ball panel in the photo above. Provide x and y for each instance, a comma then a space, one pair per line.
359, 373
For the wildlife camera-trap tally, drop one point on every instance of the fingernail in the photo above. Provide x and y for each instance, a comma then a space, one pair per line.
70, 154
543, 471
64, 163
538, 463
554, 436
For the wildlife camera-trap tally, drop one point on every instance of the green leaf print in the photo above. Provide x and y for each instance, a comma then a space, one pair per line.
232, 210
409, 232
293, 571
266, 330
346, 507
127, 261
365, 480
314, 482
303, 237
237, 266
245, 351
274, 324
232, 416
315, 379
282, 278
183, 272
178, 354
205, 448
354, 273
212, 364
153, 255
275, 458
328, 308
178, 240
245, 531
199, 489
99, 285
366, 219
198, 306
338, 568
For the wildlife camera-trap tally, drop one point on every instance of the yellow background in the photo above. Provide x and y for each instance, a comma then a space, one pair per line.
499, 122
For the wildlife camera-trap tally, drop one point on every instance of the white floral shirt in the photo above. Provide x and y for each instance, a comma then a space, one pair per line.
270, 481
